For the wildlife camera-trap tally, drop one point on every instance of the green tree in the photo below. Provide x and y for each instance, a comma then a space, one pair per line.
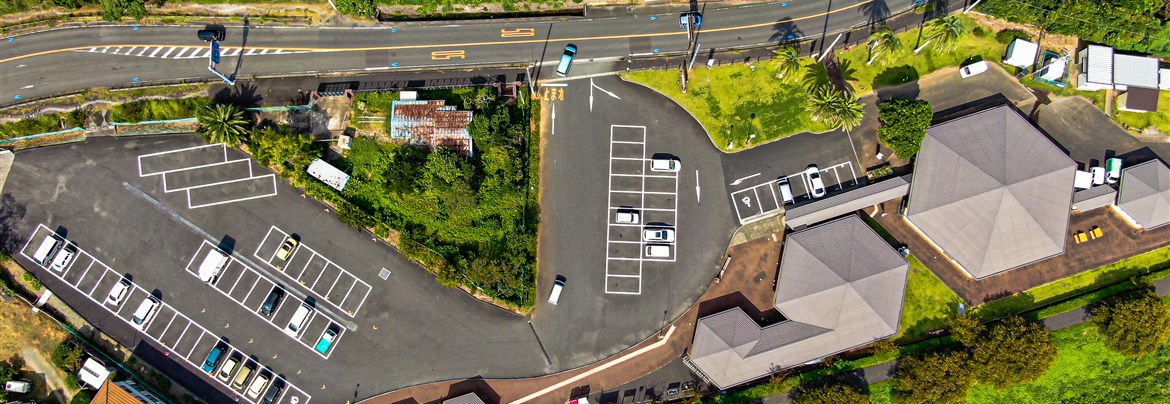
361, 8
1012, 351
904, 123
835, 108
787, 62
114, 10
967, 330
934, 378
275, 146
882, 41
1134, 324
8, 371
830, 393
222, 123
67, 357
945, 32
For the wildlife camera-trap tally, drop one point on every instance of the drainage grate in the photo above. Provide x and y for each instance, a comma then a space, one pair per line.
384, 274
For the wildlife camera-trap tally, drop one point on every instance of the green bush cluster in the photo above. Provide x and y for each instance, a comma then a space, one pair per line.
44, 124
361, 8
67, 357
82, 397
33, 283
1008, 35
158, 110
1134, 25
904, 122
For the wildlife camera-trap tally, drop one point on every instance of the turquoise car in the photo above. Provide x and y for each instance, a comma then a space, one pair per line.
326, 340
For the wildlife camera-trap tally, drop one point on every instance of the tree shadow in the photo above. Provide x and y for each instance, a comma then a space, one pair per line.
11, 213
874, 11
896, 75
242, 95
785, 31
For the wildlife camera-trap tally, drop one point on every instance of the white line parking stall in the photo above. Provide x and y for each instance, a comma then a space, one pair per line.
756, 203
207, 175
248, 288
330, 282
177, 334
181, 159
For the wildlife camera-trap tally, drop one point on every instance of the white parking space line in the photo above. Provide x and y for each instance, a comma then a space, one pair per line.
43, 230
360, 288
159, 155
749, 203
244, 163
263, 193
203, 250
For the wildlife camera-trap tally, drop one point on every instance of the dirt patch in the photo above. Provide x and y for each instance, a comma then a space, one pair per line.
1058, 43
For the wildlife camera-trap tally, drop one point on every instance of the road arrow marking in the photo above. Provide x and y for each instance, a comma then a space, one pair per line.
741, 180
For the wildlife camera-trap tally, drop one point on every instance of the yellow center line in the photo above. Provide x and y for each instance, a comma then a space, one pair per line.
460, 45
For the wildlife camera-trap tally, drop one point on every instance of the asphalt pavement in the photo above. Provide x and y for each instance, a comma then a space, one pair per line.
126, 55
408, 330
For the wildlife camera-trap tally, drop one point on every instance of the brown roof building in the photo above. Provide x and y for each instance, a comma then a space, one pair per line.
431, 123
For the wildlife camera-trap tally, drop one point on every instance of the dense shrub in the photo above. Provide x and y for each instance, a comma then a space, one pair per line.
1135, 25
830, 393
361, 8
158, 110
82, 397
1008, 35
32, 281
1134, 324
904, 123
934, 378
67, 357
1013, 351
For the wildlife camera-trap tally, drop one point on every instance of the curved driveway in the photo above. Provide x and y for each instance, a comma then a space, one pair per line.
70, 59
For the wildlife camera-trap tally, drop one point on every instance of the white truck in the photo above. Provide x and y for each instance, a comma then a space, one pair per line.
211, 266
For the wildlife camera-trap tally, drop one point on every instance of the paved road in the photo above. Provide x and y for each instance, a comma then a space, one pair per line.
52, 377
35, 65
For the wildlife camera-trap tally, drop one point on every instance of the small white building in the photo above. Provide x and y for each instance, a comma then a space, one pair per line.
1021, 53
1136, 71
1096, 68
93, 374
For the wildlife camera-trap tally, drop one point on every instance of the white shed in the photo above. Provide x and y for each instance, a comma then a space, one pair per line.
93, 373
1021, 53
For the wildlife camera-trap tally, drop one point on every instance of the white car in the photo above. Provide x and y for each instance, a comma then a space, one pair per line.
1098, 175
626, 217
63, 258
816, 184
666, 235
973, 69
665, 165
118, 292
145, 312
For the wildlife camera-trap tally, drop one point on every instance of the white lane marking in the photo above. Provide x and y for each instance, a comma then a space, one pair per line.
741, 180
168, 53
156, 51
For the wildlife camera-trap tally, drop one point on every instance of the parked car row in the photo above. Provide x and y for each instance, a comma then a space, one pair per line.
814, 183
259, 380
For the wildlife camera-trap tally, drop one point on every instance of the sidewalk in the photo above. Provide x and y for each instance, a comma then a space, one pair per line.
747, 281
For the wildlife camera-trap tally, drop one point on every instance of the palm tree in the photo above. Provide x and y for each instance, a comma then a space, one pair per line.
836, 108
821, 100
222, 123
944, 33
882, 41
787, 61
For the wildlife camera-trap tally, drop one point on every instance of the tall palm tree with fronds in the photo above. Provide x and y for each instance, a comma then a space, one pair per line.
944, 33
835, 108
222, 123
882, 41
787, 61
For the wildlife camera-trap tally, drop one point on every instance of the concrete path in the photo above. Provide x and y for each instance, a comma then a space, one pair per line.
39, 364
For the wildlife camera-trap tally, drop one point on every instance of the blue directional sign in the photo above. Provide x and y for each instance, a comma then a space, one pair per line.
215, 52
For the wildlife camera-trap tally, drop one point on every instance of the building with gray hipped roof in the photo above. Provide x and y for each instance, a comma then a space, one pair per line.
840, 287
1144, 194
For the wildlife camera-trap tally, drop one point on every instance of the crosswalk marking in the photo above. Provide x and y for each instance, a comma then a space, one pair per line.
183, 52
169, 50
156, 51
143, 51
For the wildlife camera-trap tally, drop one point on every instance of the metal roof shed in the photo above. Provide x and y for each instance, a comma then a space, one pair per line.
1021, 53
1135, 71
846, 202
1094, 198
1096, 67
1138, 99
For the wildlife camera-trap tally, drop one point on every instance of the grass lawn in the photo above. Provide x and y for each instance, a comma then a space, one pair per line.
905, 66
928, 304
1153, 260
1085, 371
1159, 119
733, 103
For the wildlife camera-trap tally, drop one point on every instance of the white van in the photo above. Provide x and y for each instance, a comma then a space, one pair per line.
785, 189
47, 250
211, 266
145, 312
657, 251
298, 320
555, 296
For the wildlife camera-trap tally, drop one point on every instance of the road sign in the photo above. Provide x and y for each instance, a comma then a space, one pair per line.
215, 52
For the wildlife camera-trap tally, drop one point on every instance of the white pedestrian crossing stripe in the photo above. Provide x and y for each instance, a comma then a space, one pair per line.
184, 52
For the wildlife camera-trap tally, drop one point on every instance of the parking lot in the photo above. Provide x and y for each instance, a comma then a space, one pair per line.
764, 200
328, 281
207, 175
170, 329
649, 197
250, 289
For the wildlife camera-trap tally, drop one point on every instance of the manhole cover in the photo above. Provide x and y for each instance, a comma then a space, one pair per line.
384, 274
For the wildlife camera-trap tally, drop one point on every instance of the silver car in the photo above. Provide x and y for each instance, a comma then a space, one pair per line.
816, 184
654, 234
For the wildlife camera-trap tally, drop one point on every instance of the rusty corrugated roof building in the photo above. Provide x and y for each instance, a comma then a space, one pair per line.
432, 123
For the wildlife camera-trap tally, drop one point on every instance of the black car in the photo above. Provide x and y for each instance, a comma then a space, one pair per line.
272, 301
209, 35
273, 392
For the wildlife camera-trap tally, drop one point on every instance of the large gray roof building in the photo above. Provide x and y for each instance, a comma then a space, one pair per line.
840, 287
1144, 194
991, 191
